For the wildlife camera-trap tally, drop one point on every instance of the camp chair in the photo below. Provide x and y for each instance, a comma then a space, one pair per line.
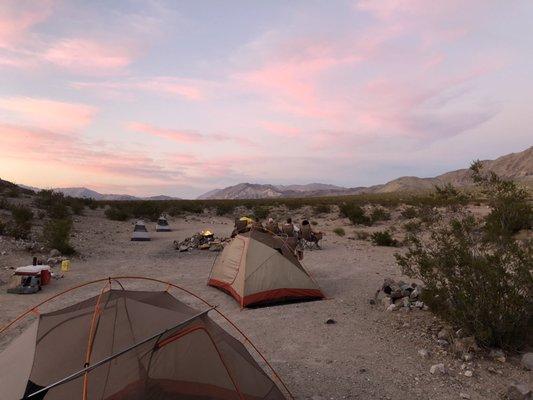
288, 229
310, 239
273, 228
240, 227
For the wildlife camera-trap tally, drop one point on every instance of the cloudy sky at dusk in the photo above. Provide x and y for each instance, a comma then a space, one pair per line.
180, 97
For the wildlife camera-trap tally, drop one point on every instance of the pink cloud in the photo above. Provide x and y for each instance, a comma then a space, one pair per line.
170, 134
280, 129
17, 17
51, 114
88, 56
190, 89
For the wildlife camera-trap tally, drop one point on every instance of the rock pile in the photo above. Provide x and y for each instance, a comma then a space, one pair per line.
400, 295
200, 242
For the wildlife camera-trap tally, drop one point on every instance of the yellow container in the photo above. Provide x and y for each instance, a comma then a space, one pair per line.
65, 265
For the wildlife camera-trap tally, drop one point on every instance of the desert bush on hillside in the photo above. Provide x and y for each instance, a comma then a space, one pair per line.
147, 209
224, 208
116, 214
339, 231
379, 214
362, 235
77, 206
56, 234
448, 194
412, 227
20, 226
320, 209
409, 212
383, 238
4, 204
429, 215
261, 212
511, 211
21, 214
484, 287
355, 214
53, 203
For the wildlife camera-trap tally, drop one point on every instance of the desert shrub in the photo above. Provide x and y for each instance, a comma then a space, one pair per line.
53, 203
448, 194
93, 205
412, 227
225, 208
320, 209
379, 214
362, 235
56, 234
3, 228
429, 215
4, 204
383, 238
339, 231
20, 226
146, 209
58, 210
355, 214
116, 214
484, 287
511, 211
77, 206
192, 207
409, 212
21, 214
261, 212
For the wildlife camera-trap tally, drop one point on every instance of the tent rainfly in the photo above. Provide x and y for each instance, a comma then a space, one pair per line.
259, 268
124, 344
139, 232
162, 225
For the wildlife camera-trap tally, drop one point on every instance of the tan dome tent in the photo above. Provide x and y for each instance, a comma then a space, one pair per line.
162, 225
140, 233
135, 345
259, 268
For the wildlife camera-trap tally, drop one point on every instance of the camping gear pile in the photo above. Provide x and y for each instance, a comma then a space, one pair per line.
259, 268
125, 344
29, 279
204, 240
399, 294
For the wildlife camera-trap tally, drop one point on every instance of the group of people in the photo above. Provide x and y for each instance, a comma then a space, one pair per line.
288, 229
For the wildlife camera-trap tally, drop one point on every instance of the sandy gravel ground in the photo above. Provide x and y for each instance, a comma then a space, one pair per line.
366, 354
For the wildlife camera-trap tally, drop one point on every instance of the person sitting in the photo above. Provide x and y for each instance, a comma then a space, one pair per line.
272, 227
309, 235
288, 228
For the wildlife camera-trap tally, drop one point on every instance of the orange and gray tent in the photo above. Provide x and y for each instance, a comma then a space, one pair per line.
130, 345
259, 268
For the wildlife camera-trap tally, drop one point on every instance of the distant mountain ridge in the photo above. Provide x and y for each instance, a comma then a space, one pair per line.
517, 166
84, 193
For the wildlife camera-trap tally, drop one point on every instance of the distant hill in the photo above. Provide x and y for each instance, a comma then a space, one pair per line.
517, 166
84, 193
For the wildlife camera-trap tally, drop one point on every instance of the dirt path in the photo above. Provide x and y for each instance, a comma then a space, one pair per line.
366, 354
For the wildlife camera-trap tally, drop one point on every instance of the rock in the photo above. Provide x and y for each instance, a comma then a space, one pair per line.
423, 353
371, 302
467, 357
444, 334
443, 343
386, 301
55, 253
464, 345
519, 391
469, 373
391, 308
464, 396
204, 246
183, 248
498, 355
438, 369
331, 321
527, 361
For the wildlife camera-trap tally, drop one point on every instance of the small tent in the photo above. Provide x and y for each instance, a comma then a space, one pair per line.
162, 225
139, 232
259, 268
136, 345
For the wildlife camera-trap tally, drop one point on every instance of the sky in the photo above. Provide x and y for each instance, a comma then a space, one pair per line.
181, 97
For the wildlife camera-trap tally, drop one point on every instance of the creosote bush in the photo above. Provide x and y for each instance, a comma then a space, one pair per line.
409, 212
339, 231
261, 212
355, 214
477, 276
379, 214
320, 209
116, 214
225, 208
56, 234
383, 238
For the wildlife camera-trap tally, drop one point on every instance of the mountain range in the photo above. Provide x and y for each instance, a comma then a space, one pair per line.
516, 166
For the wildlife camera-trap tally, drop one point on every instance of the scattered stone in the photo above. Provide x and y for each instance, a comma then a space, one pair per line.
468, 357
391, 308
464, 396
469, 373
331, 321
372, 302
443, 343
527, 361
386, 301
438, 369
183, 248
519, 391
498, 355
423, 353
444, 334
55, 253
464, 345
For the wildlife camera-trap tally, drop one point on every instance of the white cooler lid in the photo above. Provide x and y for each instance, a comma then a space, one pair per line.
32, 269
